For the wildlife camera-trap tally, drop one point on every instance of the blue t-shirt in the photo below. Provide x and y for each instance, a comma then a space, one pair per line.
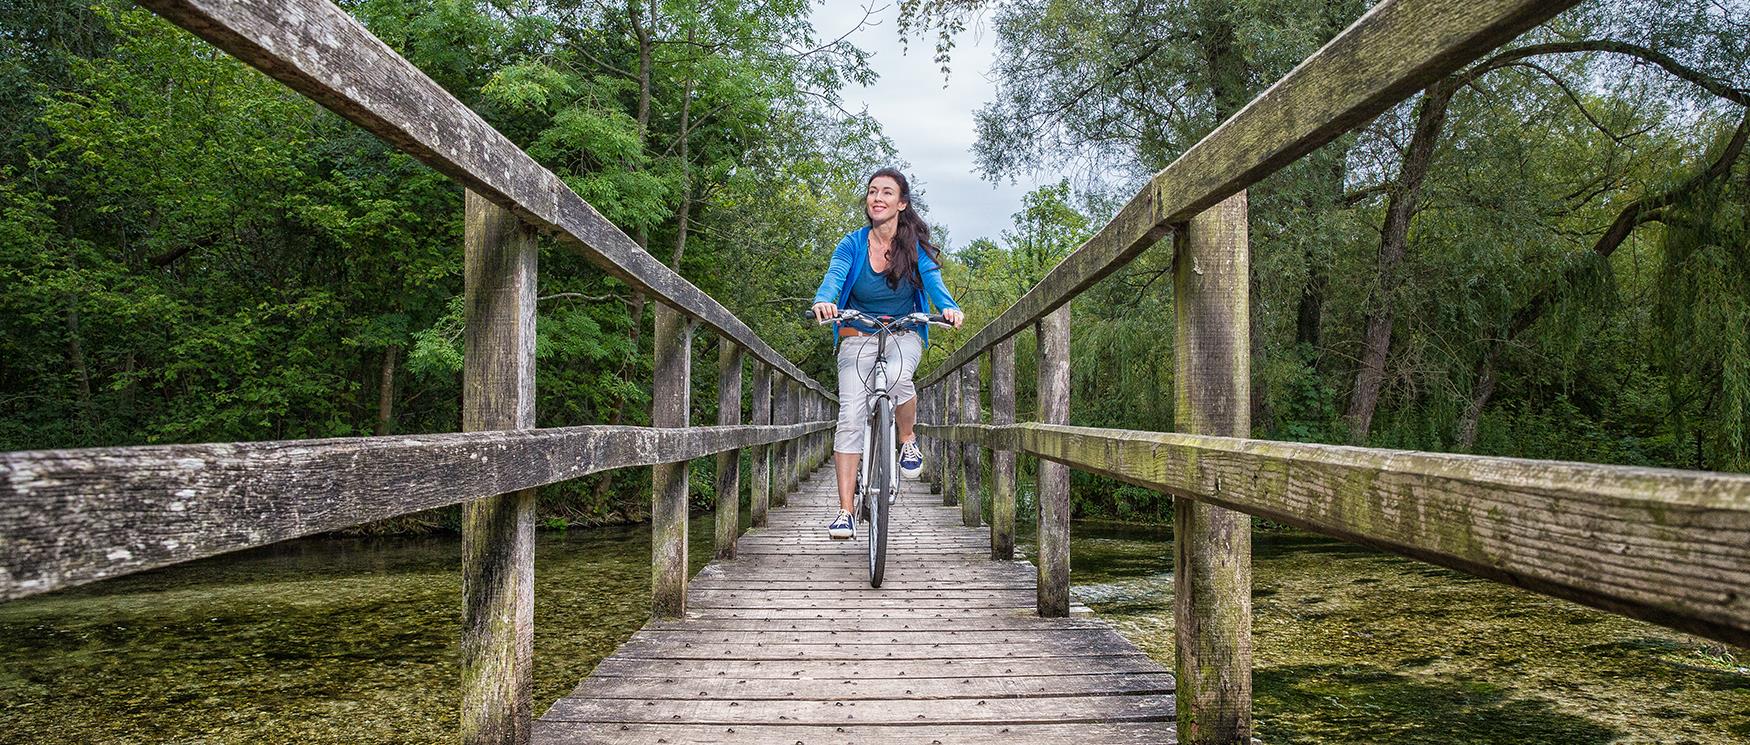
870, 294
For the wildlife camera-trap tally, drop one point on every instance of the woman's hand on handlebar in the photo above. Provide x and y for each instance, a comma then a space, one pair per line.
824, 312
953, 315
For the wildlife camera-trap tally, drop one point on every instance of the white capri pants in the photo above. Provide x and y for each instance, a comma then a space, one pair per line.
856, 378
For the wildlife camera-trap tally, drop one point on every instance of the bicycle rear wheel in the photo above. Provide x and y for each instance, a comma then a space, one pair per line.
876, 492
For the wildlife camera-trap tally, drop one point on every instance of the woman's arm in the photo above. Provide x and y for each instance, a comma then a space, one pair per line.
834, 282
934, 287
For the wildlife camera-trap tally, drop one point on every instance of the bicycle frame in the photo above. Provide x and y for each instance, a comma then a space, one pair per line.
877, 394
874, 505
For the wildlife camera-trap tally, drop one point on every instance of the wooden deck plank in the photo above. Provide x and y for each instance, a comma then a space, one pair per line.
595, 733
788, 643
745, 689
840, 667
1110, 708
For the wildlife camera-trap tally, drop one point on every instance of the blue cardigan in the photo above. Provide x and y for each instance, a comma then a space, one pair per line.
849, 260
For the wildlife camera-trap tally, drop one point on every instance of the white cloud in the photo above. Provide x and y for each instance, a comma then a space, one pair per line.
931, 123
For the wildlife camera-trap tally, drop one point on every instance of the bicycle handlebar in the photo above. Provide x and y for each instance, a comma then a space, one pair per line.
897, 322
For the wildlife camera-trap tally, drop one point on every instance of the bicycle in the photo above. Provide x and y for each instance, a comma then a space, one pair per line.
879, 435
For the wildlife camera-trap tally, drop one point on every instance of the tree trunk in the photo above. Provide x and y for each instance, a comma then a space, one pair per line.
386, 391
1641, 211
1394, 243
686, 208
76, 355
1485, 387
641, 34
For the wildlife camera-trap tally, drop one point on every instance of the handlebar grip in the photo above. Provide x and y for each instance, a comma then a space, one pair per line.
808, 315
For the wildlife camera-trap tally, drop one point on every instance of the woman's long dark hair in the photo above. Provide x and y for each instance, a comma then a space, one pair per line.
902, 259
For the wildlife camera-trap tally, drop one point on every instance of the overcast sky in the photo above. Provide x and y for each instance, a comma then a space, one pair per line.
931, 125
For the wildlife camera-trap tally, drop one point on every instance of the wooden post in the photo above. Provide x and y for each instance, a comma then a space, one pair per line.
1212, 557
925, 416
498, 533
951, 450
761, 499
805, 445
1054, 477
670, 398
814, 440
784, 412
728, 463
1002, 462
972, 454
938, 446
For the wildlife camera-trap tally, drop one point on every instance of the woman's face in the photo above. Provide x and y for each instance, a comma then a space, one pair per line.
882, 202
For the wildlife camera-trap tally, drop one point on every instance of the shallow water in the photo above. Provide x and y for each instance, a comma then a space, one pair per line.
1351, 645
321, 640
343, 640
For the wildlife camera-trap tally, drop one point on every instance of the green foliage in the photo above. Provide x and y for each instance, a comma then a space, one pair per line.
189, 251
1509, 321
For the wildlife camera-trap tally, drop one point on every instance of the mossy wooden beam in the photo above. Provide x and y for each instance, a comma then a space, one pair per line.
971, 453
319, 50
1002, 469
1212, 545
1053, 486
728, 517
73, 516
1396, 49
1662, 545
760, 501
670, 406
498, 531
933, 447
953, 453
784, 411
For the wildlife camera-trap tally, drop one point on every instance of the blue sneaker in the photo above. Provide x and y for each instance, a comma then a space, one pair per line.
911, 460
841, 528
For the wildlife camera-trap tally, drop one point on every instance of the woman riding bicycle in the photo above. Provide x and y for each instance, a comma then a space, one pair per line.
888, 268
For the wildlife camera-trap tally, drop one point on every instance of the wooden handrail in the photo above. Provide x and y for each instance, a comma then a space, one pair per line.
1663, 545
316, 48
73, 516
1399, 47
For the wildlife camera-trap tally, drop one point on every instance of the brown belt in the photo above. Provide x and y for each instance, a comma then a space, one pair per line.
846, 331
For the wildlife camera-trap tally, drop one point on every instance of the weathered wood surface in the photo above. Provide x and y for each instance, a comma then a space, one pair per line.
578, 733
728, 484
788, 643
1667, 546
498, 532
1052, 489
319, 50
1212, 545
74, 516
1002, 464
971, 454
953, 453
760, 498
670, 406
1396, 49
783, 410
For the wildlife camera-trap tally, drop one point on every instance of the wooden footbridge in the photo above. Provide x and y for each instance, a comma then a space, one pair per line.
787, 643
1672, 547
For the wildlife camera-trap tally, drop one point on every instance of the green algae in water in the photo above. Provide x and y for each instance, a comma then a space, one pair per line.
354, 641
321, 640
1351, 645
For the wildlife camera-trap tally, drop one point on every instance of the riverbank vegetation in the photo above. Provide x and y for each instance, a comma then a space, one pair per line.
1541, 255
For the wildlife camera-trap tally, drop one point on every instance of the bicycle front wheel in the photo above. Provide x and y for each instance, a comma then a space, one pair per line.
877, 493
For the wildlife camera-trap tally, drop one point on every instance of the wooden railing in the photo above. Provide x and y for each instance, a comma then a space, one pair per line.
1672, 547
1668, 546
74, 516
